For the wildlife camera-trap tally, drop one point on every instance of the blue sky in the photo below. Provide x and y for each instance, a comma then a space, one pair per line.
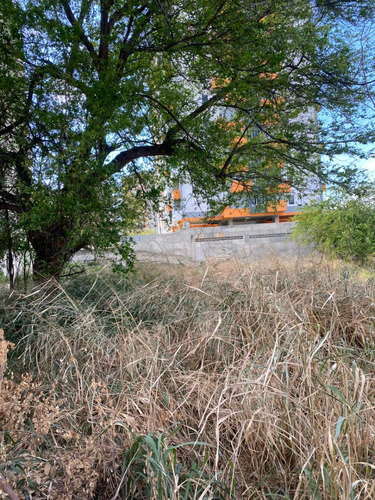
368, 164
361, 39
362, 163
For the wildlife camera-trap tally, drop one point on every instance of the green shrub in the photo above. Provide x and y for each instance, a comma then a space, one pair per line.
151, 470
340, 226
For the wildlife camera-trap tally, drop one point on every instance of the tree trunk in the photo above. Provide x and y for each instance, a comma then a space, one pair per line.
52, 248
10, 264
48, 265
10, 267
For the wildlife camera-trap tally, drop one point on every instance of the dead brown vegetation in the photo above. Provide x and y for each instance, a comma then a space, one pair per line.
264, 376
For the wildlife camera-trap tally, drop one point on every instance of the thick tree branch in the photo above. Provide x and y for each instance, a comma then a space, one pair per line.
117, 16
22, 119
10, 198
166, 148
10, 206
125, 157
83, 37
85, 8
128, 44
104, 30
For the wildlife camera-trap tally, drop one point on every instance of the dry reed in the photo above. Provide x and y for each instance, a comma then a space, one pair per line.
263, 374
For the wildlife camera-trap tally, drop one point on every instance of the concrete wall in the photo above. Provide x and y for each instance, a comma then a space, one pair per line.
168, 247
242, 241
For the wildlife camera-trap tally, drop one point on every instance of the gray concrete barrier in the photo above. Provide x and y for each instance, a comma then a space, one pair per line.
242, 241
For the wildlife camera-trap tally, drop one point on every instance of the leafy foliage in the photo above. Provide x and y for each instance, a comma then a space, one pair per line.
342, 226
153, 471
106, 93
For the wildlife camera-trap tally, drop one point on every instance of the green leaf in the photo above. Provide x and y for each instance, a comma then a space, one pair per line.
338, 394
340, 421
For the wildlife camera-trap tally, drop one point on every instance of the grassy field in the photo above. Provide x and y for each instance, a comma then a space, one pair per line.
217, 381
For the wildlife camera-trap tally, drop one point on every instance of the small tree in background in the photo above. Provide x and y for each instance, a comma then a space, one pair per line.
342, 226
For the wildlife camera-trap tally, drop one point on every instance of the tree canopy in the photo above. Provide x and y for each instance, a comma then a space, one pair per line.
102, 104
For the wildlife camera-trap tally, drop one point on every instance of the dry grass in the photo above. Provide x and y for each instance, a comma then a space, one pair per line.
263, 375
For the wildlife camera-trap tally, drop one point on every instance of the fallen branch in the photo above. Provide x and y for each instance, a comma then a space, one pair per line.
4, 486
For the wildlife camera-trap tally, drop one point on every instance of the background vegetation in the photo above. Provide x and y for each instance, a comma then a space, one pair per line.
341, 226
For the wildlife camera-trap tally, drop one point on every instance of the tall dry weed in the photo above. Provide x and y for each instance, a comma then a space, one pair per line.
219, 381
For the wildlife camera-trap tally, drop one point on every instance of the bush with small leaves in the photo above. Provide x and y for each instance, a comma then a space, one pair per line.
340, 226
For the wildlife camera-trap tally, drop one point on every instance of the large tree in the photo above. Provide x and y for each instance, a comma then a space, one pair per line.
105, 103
